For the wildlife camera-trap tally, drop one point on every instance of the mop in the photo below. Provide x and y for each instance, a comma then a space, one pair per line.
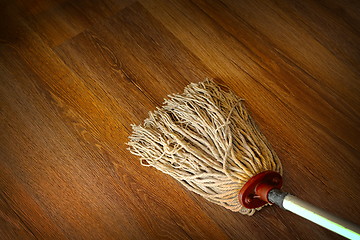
206, 139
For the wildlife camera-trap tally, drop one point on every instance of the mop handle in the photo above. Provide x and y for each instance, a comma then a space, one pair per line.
319, 216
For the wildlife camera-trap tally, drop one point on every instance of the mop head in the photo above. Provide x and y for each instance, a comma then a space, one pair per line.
205, 139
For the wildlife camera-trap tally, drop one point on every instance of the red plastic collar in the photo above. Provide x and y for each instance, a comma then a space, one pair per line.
254, 193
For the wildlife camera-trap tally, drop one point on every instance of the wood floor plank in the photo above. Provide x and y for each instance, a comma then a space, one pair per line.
347, 11
54, 166
136, 48
71, 94
21, 216
294, 41
33, 7
328, 28
76, 74
79, 15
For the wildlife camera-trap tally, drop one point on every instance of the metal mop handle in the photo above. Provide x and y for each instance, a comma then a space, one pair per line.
310, 212
265, 188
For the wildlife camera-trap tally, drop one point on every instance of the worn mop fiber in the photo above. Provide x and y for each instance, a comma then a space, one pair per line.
205, 139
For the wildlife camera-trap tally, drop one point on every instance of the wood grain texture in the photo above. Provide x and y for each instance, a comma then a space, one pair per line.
76, 74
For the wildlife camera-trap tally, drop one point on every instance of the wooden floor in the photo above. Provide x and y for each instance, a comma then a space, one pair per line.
75, 74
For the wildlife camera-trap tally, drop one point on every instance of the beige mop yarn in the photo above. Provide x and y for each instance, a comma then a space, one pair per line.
205, 139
